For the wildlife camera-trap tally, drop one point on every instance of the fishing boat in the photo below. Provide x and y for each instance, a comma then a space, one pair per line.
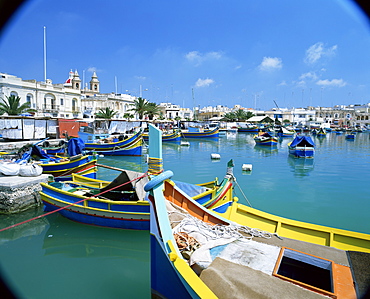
243, 127
62, 167
59, 149
200, 132
321, 133
302, 147
167, 137
197, 253
105, 144
351, 136
122, 203
119, 204
266, 139
284, 132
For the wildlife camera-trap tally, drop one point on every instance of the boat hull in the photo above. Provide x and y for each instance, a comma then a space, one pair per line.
94, 211
205, 134
131, 146
302, 152
173, 137
65, 169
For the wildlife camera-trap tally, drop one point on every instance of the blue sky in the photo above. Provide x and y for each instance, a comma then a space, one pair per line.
199, 52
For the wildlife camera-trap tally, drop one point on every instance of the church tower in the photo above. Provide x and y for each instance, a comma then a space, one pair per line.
76, 81
94, 83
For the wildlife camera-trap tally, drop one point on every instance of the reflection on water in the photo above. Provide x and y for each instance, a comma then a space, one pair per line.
301, 166
32, 228
266, 151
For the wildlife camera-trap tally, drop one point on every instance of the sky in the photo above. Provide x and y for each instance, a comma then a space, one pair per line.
258, 54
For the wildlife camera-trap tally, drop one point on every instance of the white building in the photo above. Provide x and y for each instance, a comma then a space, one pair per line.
53, 100
65, 100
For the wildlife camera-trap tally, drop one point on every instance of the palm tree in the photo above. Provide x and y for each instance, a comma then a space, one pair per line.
152, 109
128, 116
140, 107
230, 116
13, 107
106, 113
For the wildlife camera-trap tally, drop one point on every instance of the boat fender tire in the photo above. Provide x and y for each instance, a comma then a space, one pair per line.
121, 137
157, 180
46, 144
61, 143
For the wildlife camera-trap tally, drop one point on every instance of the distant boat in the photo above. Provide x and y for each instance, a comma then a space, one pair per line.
321, 133
351, 136
302, 147
174, 136
266, 139
247, 128
284, 132
199, 132
112, 146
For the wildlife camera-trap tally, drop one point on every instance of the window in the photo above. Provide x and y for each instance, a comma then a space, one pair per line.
28, 98
61, 102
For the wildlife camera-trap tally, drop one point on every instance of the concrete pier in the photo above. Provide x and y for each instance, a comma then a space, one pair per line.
20, 193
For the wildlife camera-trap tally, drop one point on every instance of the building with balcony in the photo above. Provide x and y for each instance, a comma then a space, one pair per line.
48, 99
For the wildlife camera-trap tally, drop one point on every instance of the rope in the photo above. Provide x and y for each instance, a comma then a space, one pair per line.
242, 193
213, 232
72, 204
155, 165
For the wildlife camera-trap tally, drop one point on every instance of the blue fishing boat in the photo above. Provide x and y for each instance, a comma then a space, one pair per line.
302, 147
247, 128
122, 203
199, 132
351, 136
197, 253
321, 133
105, 144
266, 139
119, 204
62, 167
167, 137
284, 132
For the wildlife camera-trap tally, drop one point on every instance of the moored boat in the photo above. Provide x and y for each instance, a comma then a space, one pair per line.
196, 253
119, 204
321, 132
112, 146
351, 136
199, 132
167, 137
266, 139
62, 167
245, 127
122, 203
284, 132
302, 147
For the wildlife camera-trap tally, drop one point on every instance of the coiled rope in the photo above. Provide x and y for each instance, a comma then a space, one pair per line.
191, 224
155, 165
72, 204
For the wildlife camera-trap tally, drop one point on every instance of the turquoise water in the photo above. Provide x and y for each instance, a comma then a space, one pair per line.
53, 257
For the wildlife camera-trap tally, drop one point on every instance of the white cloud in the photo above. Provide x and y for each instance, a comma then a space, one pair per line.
282, 83
140, 77
198, 58
309, 75
317, 51
204, 82
270, 63
333, 82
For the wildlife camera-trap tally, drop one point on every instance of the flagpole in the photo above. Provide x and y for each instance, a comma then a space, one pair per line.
44, 54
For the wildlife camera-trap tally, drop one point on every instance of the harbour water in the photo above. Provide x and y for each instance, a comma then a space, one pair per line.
53, 257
